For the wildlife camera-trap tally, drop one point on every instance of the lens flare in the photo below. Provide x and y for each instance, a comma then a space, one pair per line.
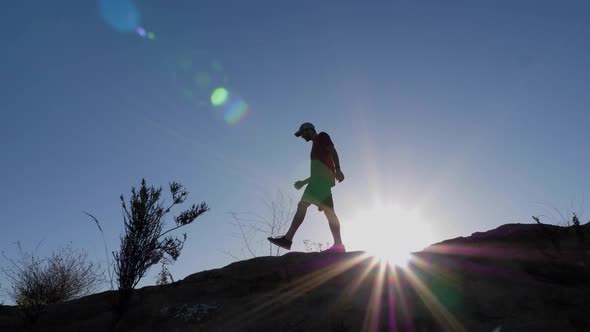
184, 63
202, 74
203, 80
187, 93
216, 65
219, 97
141, 32
236, 111
202, 83
151, 36
121, 15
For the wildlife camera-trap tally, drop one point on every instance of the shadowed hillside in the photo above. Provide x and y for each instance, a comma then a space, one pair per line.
513, 278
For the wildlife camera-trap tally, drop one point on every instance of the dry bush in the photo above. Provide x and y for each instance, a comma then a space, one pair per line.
313, 246
65, 275
569, 260
164, 277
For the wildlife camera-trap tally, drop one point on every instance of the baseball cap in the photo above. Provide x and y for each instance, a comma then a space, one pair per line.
304, 126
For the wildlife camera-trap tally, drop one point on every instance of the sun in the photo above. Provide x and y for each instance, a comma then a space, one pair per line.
389, 232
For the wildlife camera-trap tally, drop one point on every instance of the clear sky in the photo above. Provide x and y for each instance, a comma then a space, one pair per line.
448, 119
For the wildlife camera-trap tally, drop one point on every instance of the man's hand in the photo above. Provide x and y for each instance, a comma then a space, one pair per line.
299, 184
339, 175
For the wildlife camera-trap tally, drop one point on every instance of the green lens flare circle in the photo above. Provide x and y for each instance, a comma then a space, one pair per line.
219, 96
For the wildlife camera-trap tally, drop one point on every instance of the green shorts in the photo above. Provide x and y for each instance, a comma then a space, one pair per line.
319, 193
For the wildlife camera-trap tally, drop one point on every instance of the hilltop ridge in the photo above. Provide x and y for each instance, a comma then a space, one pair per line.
506, 278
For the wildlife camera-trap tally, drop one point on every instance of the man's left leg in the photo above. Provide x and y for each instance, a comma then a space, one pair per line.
286, 240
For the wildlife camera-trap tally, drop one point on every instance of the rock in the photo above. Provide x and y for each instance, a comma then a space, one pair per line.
507, 279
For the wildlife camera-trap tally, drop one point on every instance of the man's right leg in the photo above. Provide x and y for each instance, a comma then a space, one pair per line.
297, 219
334, 225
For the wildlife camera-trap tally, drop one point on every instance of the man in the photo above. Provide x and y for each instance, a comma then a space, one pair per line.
325, 168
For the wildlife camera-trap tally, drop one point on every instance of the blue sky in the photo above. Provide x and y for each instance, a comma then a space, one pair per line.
473, 114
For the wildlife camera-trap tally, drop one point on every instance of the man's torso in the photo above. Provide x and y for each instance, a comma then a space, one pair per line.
322, 164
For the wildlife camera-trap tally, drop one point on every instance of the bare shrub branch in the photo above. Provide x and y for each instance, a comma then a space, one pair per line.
253, 228
109, 265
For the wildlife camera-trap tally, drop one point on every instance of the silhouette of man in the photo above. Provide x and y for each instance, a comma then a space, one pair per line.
325, 169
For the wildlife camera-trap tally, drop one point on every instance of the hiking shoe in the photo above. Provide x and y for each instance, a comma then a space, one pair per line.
336, 248
281, 241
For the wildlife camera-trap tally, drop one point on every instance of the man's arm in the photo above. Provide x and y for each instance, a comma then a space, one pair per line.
299, 184
334, 154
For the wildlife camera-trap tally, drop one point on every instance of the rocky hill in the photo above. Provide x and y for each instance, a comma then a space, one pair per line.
518, 277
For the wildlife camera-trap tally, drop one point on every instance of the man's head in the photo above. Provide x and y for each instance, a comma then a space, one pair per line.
306, 131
